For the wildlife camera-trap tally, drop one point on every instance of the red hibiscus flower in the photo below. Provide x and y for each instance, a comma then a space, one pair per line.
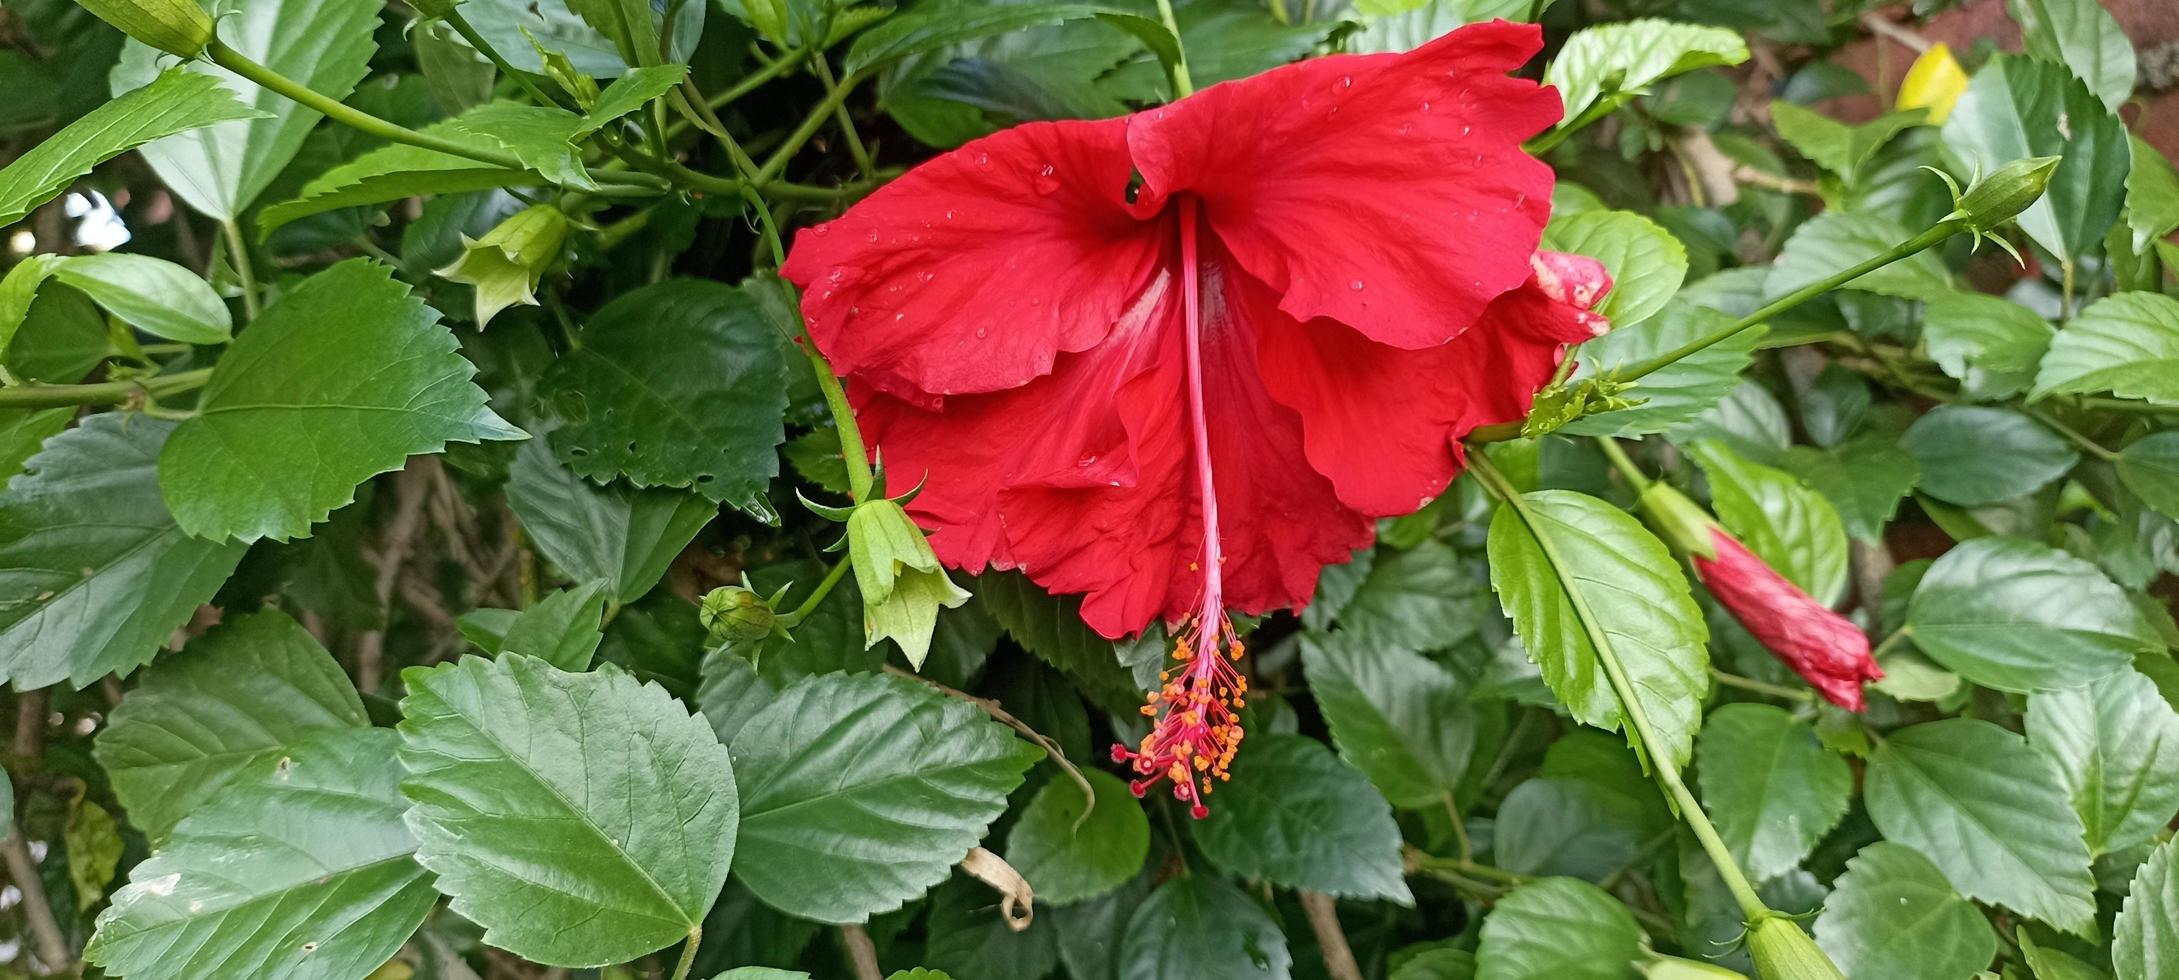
1829, 652
1180, 361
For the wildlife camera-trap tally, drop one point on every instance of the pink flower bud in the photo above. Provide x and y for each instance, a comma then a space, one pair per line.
1829, 652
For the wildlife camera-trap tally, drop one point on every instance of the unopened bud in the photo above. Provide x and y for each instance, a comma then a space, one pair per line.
507, 263
2001, 196
174, 26
1674, 968
1783, 952
902, 584
1682, 522
735, 614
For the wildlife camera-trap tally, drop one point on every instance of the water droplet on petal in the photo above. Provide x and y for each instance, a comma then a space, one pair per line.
980, 332
983, 159
1426, 107
1406, 128
949, 215
1088, 460
836, 276
872, 238
927, 276
1047, 179
1356, 285
1465, 130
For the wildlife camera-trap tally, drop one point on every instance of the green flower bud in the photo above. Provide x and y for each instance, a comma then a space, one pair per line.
1661, 967
1783, 952
902, 584
1682, 522
734, 614
506, 264
2001, 196
173, 26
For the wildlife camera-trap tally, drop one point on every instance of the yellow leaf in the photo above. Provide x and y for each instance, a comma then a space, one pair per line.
1935, 82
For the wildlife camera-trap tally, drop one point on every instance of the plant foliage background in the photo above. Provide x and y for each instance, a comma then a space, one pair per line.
320, 668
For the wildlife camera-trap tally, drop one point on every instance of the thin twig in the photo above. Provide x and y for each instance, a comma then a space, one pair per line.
409, 498
1884, 27
44, 931
1330, 938
861, 952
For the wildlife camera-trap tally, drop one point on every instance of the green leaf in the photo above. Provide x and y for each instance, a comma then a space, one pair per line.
237, 696
300, 868
157, 296
1608, 60
619, 533
177, 101
861, 791
538, 137
1989, 343
1558, 929
516, 767
2050, 964
1835, 146
1771, 787
1296, 816
630, 92
562, 629
931, 28
970, 935
1972, 798
326, 45
731, 692
1646, 263
1582, 549
1199, 927
2150, 468
1418, 599
2080, 35
2112, 744
1787, 524
1065, 863
2018, 107
95, 574
1565, 825
2152, 195
2019, 616
1864, 480
1893, 915
297, 415
2145, 938
2126, 344
1677, 392
1973, 455
680, 384
1396, 715
1051, 627
1835, 240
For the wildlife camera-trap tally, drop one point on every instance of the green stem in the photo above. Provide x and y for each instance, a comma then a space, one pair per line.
2089, 446
1627, 470
104, 392
240, 64
1912, 246
817, 595
239, 251
1183, 84
855, 146
688, 953
777, 163
843, 418
1549, 141
1637, 717
1460, 829
1752, 685
1278, 12
461, 26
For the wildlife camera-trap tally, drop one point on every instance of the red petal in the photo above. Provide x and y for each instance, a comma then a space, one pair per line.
1388, 192
970, 272
1828, 651
1384, 423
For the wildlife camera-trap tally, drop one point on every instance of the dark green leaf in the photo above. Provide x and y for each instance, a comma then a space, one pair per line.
942, 25
516, 766
1679, 391
680, 384
970, 935
1558, 929
1419, 599
630, 92
296, 415
237, 696
399, 170
2150, 468
1628, 57
1295, 815
1893, 915
1564, 825
1773, 790
325, 45
562, 629
1972, 455
1583, 548
1199, 927
1864, 480
1065, 863
95, 572
731, 692
1051, 627
1972, 797
2112, 744
860, 791
1396, 715
2016, 108
300, 868
177, 101
2018, 616
1989, 343
2152, 196
157, 296
2080, 35
1835, 146
1834, 240
2127, 344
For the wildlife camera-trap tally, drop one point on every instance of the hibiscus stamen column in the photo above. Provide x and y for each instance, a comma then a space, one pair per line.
1198, 709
